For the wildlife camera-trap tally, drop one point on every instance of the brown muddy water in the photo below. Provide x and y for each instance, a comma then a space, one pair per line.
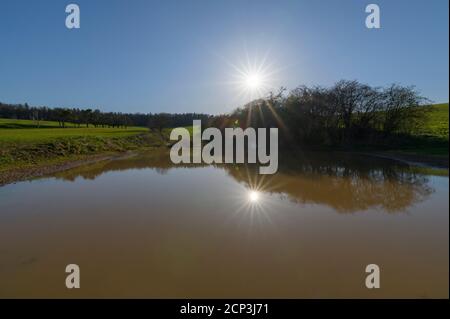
141, 227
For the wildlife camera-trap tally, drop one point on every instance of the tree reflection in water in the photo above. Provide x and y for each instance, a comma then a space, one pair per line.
346, 182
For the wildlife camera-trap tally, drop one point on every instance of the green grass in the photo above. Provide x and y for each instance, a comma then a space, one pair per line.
430, 138
23, 144
51, 134
29, 124
436, 122
26, 131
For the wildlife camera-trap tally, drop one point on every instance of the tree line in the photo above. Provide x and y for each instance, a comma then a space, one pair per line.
344, 113
97, 118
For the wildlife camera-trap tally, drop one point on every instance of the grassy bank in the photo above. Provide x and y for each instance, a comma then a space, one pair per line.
430, 139
24, 148
426, 145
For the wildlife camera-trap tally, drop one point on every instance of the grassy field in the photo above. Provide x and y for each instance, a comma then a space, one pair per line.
431, 138
436, 122
26, 131
22, 144
50, 134
28, 124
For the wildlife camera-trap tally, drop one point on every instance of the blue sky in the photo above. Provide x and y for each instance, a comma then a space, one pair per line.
177, 56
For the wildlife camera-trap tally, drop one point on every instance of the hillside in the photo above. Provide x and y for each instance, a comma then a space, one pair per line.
436, 123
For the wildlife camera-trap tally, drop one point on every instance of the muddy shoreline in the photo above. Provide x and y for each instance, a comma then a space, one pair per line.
26, 173
421, 160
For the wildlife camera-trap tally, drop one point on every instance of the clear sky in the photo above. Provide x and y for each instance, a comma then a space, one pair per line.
178, 56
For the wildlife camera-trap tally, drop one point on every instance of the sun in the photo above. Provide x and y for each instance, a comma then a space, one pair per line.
253, 78
253, 81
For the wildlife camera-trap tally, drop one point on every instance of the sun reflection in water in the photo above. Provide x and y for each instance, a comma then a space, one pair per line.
254, 202
253, 196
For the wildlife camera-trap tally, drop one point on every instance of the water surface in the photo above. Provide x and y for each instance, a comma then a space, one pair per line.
141, 227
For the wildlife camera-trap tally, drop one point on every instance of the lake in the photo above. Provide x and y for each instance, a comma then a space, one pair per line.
139, 226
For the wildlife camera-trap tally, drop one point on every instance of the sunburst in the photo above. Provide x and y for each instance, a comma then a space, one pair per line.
253, 78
